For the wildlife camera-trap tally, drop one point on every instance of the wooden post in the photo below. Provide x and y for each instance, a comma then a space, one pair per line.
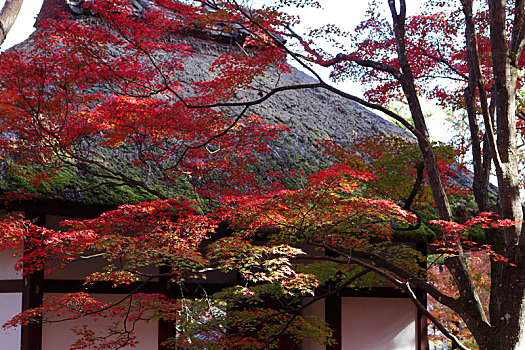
166, 328
333, 315
421, 321
32, 296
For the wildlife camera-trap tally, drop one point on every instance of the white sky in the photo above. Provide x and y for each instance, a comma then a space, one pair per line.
345, 14
23, 26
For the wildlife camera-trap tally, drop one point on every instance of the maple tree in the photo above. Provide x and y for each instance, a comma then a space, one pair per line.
409, 55
102, 96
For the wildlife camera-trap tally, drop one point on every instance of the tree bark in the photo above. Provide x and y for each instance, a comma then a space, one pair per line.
407, 84
481, 159
505, 82
507, 297
8, 16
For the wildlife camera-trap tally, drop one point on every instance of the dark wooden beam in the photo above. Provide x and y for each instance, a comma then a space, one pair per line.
189, 290
58, 207
75, 286
11, 286
166, 327
422, 331
287, 343
333, 317
422, 326
421, 321
373, 292
32, 297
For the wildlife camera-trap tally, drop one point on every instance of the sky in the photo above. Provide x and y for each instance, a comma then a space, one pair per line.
23, 26
345, 14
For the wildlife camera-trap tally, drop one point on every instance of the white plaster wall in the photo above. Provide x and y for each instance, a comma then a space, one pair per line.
10, 305
7, 259
7, 265
59, 336
378, 324
78, 270
316, 309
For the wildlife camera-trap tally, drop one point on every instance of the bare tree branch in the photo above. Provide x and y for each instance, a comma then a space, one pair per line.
431, 317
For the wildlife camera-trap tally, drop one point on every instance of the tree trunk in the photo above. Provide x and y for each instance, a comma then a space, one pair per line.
481, 158
505, 330
507, 298
506, 308
8, 16
407, 84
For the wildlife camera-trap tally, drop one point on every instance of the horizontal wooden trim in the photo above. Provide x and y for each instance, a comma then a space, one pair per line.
74, 286
11, 286
58, 207
373, 292
187, 290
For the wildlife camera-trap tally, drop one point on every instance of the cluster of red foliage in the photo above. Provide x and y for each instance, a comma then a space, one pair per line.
104, 96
